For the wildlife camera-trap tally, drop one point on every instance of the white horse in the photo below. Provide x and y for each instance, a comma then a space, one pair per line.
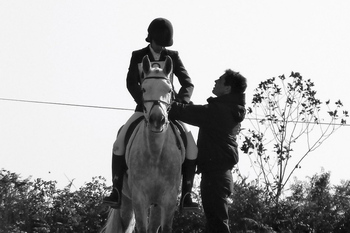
154, 155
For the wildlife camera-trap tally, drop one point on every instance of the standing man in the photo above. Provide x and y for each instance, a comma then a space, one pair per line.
219, 123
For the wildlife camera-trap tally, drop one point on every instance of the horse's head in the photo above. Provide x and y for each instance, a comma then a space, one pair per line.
157, 93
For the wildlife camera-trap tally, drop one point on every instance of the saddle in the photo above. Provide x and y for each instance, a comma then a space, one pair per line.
175, 125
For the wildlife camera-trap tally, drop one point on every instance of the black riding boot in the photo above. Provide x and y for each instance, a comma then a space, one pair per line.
188, 172
118, 170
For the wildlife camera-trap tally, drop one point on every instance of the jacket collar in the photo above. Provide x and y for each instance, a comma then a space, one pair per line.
229, 98
163, 53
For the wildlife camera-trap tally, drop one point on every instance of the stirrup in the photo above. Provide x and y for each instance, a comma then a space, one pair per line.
113, 204
184, 209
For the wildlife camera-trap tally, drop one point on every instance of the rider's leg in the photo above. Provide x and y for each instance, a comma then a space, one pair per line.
188, 172
118, 169
119, 166
191, 148
119, 144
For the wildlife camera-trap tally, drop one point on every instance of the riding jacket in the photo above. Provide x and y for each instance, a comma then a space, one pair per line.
133, 79
219, 124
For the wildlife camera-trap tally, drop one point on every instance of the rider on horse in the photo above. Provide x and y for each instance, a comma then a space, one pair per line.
160, 35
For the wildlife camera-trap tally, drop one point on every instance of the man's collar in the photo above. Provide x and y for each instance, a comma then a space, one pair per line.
234, 98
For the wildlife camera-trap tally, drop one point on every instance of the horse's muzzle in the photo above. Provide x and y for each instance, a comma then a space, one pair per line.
157, 121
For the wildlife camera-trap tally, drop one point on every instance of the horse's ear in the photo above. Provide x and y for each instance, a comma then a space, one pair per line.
168, 66
146, 64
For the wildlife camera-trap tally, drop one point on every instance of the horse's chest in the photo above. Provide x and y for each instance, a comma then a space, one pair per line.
152, 169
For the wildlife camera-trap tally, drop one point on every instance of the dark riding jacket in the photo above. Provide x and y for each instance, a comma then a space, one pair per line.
218, 123
133, 79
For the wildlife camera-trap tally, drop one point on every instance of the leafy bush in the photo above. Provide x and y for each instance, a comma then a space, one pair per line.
39, 207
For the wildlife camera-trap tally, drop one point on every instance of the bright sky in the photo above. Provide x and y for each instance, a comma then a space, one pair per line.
78, 52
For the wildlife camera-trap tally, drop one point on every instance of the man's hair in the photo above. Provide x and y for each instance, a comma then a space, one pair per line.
237, 82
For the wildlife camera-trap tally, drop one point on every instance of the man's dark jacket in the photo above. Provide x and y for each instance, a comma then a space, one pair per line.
133, 79
218, 123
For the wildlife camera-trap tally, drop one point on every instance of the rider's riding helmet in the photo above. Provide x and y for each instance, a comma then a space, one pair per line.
161, 31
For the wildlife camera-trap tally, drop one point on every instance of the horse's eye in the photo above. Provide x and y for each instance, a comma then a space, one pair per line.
143, 90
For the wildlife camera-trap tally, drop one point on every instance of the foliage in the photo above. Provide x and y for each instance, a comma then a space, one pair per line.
248, 207
188, 222
38, 206
284, 111
312, 206
319, 206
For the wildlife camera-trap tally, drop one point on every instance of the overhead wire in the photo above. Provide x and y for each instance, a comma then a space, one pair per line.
65, 104
124, 109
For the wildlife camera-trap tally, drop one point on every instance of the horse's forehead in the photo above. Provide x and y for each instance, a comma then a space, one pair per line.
156, 82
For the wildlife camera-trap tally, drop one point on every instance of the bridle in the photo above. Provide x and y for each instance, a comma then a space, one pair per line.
158, 102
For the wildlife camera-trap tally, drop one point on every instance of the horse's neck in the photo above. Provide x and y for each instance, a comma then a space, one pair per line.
155, 141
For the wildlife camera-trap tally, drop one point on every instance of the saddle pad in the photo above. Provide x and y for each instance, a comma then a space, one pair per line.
182, 135
131, 129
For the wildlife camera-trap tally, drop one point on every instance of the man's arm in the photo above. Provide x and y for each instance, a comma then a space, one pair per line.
197, 115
